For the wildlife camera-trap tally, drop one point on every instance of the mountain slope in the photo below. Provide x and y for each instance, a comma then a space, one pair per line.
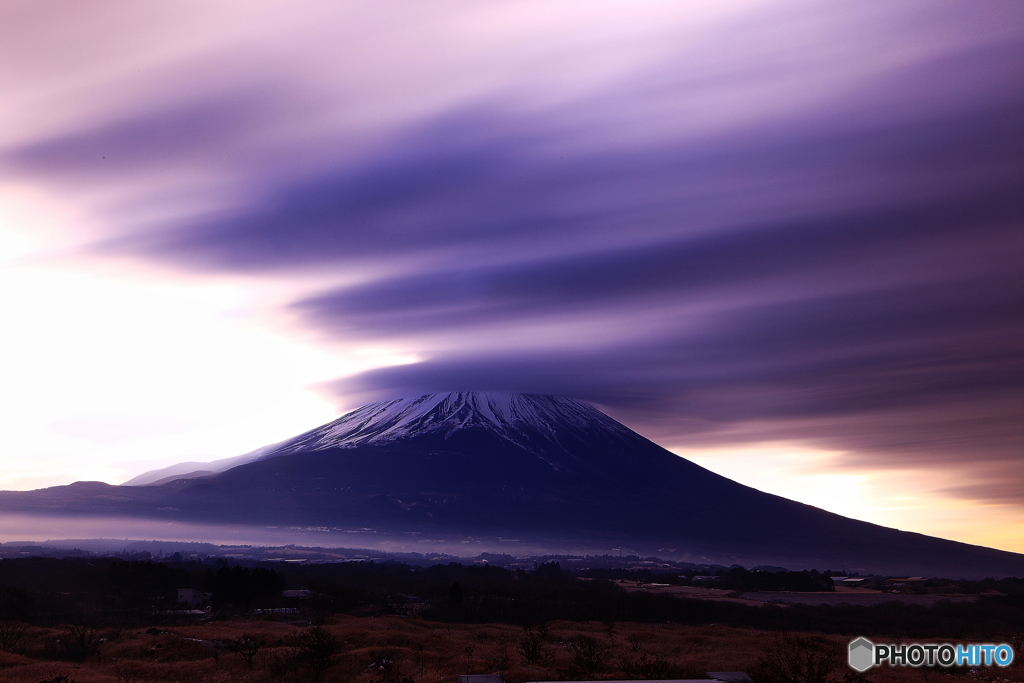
551, 472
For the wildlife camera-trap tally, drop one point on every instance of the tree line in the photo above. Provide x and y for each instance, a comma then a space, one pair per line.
48, 591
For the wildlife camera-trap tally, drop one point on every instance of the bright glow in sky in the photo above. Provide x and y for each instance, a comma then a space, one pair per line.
111, 369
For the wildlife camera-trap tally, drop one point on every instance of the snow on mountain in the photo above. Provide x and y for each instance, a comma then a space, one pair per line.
530, 421
534, 422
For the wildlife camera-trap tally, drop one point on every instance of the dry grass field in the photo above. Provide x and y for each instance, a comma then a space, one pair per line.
392, 649
840, 595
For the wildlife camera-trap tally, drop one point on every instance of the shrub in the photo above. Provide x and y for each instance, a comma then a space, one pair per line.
532, 649
316, 647
387, 661
797, 659
76, 643
11, 634
655, 668
589, 655
246, 646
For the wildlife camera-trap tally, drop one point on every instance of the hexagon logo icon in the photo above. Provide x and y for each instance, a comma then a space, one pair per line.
862, 654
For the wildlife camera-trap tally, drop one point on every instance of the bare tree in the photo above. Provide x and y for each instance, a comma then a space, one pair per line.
797, 659
317, 646
532, 648
502, 658
11, 634
246, 646
78, 642
588, 654
636, 641
447, 665
421, 662
388, 663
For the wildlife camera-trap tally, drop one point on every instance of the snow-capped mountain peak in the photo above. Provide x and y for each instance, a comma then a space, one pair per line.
519, 418
538, 424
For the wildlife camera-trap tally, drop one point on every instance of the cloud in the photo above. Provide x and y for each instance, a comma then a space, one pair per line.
820, 358
847, 274
473, 185
803, 259
190, 134
787, 221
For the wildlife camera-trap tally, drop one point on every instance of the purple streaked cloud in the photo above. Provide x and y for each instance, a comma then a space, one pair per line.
772, 223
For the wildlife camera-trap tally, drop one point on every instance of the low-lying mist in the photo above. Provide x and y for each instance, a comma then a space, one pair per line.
115, 532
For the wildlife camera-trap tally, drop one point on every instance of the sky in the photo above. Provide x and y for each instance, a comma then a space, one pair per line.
783, 239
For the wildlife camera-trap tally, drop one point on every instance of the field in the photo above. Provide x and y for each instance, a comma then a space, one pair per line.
395, 649
108, 620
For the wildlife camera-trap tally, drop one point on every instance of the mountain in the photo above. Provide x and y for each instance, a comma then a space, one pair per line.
534, 423
512, 469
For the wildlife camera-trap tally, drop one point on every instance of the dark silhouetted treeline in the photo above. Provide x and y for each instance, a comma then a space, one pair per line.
47, 590
241, 585
740, 579
115, 592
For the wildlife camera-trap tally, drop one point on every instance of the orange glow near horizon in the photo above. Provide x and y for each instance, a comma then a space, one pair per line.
905, 499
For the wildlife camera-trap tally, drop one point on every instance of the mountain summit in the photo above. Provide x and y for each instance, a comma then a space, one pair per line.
493, 468
539, 424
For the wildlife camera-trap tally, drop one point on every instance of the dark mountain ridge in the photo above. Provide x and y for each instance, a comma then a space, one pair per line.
545, 470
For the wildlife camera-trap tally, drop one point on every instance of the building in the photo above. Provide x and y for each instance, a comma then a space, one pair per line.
190, 597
